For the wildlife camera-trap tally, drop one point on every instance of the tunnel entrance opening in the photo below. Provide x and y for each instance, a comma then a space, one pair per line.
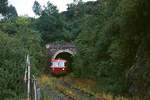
66, 56
62, 62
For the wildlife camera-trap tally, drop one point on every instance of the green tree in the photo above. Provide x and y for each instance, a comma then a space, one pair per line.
50, 9
49, 24
11, 12
13, 49
109, 41
12, 66
37, 8
3, 6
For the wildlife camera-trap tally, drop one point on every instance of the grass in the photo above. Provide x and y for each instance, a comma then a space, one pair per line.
45, 80
89, 86
66, 91
86, 85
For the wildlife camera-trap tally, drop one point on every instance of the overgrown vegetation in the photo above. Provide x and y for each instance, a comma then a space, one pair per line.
108, 46
17, 39
112, 37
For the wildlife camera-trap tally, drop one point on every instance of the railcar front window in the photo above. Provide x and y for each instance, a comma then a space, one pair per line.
55, 64
61, 64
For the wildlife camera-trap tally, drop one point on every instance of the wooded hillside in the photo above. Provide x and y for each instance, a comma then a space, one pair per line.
112, 38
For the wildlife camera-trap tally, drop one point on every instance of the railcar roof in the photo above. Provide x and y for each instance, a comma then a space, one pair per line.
58, 60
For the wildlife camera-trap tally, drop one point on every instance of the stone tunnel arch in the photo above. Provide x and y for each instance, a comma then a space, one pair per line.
62, 51
65, 54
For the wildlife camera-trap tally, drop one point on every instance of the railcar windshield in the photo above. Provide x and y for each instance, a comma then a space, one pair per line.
55, 64
61, 64
58, 63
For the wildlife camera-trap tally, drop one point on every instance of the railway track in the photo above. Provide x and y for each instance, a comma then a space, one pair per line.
55, 94
60, 89
75, 93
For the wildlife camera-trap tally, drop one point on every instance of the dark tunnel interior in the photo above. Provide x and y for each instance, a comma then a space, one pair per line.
66, 56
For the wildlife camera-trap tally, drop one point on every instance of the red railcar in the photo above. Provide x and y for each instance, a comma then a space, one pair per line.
58, 67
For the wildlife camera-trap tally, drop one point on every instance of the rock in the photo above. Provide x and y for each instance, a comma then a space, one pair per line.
139, 74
